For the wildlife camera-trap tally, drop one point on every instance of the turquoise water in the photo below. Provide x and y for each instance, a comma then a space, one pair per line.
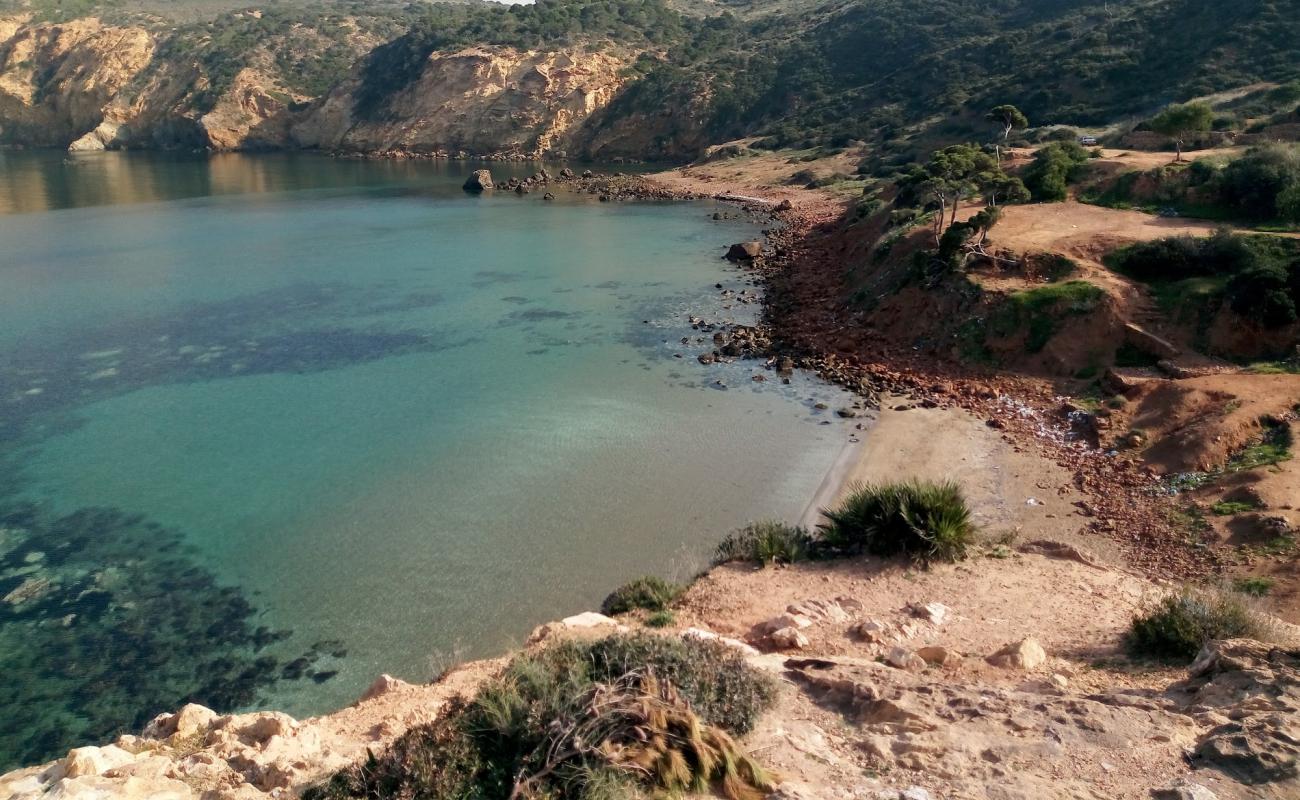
272, 425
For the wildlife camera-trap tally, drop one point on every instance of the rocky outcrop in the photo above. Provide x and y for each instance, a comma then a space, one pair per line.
478, 101
57, 79
197, 753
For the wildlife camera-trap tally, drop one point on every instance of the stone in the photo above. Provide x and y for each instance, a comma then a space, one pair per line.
88, 143
902, 658
789, 639
479, 181
548, 197
787, 620
1025, 654
914, 793
1183, 789
872, 631
933, 613
784, 205
745, 251
710, 636
936, 655
381, 686
94, 761
191, 719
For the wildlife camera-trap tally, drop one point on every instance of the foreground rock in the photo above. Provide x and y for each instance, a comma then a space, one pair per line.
479, 181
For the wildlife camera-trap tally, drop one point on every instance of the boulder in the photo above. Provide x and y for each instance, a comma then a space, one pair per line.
710, 636
789, 639
745, 251
87, 144
933, 613
936, 655
191, 719
479, 181
1024, 654
787, 620
784, 205
902, 658
92, 761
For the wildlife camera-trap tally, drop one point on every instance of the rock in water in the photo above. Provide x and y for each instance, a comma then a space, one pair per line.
745, 251
480, 181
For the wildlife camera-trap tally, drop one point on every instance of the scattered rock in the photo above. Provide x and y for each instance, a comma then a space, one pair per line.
872, 631
706, 635
1025, 654
902, 658
1183, 789
383, 685
938, 656
789, 639
744, 251
479, 181
933, 613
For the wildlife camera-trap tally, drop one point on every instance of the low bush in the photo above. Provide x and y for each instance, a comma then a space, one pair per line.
616, 718
648, 592
660, 619
1254, 586
767, 542
1264, 184
1179, 257
1176, 627
926, 521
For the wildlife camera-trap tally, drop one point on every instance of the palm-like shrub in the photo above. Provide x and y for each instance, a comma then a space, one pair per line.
923, 520
767, 542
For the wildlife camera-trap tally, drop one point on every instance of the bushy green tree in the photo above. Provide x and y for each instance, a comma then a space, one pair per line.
1009, 117
1054, 167
1264, 184
1180, 121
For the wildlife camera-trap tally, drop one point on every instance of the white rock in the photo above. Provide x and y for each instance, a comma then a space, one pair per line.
191, 719
86, 144
89, 761
790, 639
1024, 654
914, 793
902, 658
589, 619
936, 655
934, 613
383, 685
700, 633
797, 621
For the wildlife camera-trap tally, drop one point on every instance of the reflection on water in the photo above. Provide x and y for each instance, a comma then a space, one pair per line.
45, 180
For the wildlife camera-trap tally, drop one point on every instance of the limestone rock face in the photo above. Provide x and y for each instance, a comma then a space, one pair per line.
478, 101
56, 79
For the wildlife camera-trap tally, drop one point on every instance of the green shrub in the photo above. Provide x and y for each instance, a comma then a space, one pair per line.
923, 520
1179, 257
1263, 183
1175, 628
647, 592
1226, 508
1055, 166
1254, 586
1271, 449
1263, 294
767, 542
660, 619
616, 718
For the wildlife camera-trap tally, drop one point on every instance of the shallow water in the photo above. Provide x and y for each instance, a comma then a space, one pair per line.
340, 418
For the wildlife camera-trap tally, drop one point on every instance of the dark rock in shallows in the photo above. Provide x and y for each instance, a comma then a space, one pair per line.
480, 181
745, 251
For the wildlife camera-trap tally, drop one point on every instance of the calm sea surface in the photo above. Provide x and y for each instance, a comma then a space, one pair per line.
272, 425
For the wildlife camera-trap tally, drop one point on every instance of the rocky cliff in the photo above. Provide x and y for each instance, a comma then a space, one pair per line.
87, 85
478, 101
